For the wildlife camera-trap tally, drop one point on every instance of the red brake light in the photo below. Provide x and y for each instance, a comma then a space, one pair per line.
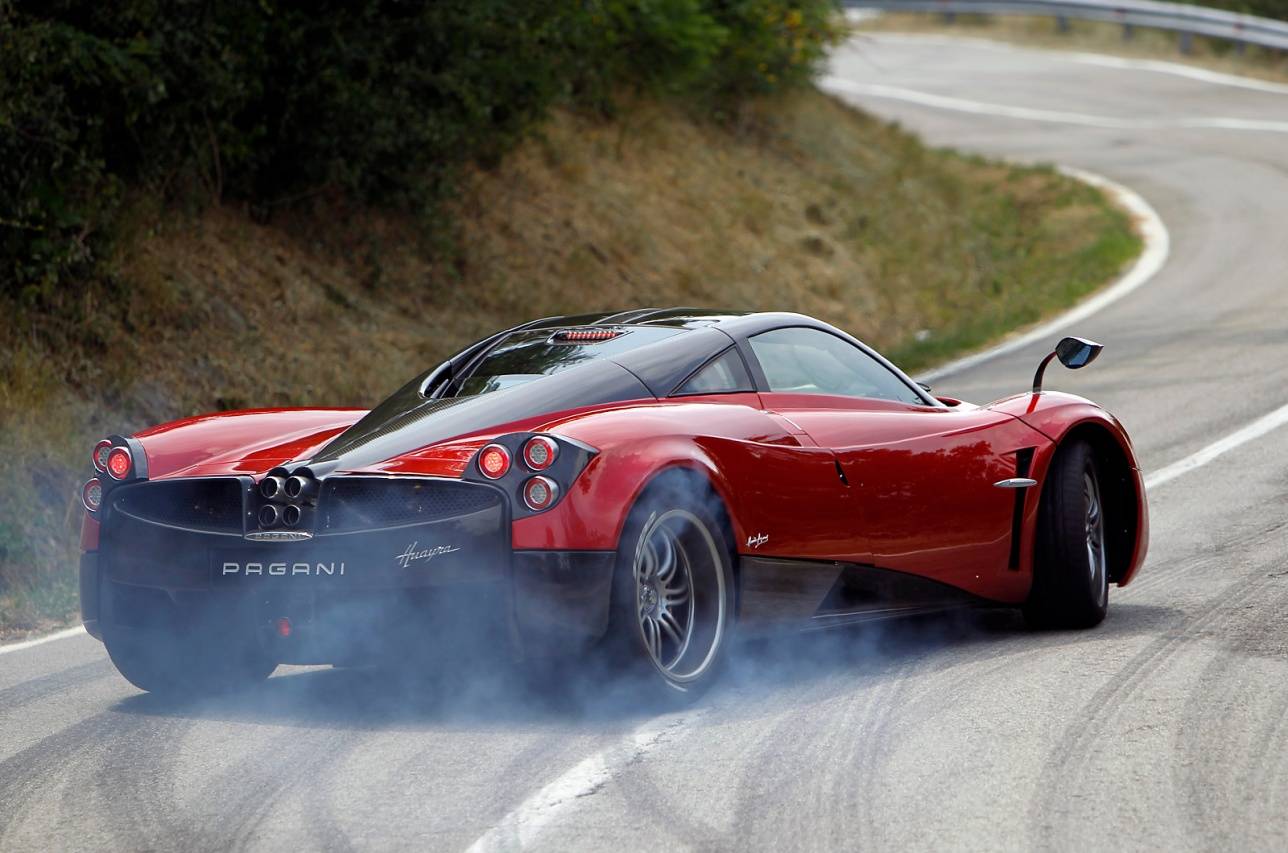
92, 495
584, 336
494, 462
539, 453
100, 455
284, 627
119, 463
539, 493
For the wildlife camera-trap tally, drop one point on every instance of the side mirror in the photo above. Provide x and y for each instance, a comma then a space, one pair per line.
1073, 354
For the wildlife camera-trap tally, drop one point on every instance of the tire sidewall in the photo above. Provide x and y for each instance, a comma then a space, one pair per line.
1065, 595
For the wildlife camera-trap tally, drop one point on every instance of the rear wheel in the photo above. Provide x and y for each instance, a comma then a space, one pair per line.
1071, 573
673, 594
196, 663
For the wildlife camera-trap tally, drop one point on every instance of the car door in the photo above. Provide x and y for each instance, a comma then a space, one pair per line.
924, 475
787, 490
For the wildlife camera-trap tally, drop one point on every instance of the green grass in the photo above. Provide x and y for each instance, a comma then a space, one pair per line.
797, 203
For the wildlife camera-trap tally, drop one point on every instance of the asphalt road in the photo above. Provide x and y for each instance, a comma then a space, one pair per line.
1164, 728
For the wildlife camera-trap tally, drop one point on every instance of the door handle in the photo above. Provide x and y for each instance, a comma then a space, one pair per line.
1016, 483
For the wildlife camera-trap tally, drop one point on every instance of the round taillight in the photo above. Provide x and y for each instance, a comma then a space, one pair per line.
119, 463
494, 462
99, 457
540, 452
539, 493
92, 495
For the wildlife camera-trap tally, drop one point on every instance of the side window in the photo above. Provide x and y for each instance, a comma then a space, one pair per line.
724, 374
810, 361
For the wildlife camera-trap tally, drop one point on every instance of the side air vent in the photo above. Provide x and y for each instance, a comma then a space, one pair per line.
352, 504
1023, 463
206, 504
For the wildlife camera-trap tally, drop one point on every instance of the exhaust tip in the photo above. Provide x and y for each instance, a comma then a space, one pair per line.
269, 516
295, 486
272, 487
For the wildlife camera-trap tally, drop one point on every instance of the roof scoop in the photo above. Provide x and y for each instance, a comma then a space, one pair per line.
1074, 353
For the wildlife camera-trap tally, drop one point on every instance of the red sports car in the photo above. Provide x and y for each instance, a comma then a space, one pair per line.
651, 480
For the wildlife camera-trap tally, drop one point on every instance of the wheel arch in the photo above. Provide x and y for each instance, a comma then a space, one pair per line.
1122, 492
596, 511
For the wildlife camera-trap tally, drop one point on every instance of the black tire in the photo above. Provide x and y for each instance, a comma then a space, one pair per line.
1071, 570
198, 663
675, 538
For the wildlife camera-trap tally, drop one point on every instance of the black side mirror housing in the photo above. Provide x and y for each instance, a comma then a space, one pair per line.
1074, 353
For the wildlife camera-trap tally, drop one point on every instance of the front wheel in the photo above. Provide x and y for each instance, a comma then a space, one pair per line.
1071, 572
673, 593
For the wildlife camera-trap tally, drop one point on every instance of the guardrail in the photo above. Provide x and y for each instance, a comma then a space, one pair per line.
1187, 20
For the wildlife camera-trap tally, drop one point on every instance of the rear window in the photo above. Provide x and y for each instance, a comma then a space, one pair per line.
525, 356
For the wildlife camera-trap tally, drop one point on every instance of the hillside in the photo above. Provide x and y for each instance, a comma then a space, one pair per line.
796, 203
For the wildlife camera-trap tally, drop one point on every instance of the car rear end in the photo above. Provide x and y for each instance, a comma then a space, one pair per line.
373, 565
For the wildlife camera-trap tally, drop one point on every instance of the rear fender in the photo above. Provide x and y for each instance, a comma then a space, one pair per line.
771, 494
244, 442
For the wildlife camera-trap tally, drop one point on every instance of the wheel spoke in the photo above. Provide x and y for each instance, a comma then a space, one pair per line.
648, 562
652, 638
667, 620
667, 561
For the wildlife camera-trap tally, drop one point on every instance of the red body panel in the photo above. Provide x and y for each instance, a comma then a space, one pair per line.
924, 483
247, 442
917, 493
770, 482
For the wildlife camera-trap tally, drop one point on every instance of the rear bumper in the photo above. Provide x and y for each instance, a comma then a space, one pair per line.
446, 581
548, 603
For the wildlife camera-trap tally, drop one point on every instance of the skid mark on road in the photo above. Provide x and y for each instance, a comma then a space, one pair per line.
1213, 785
33, 690
1069, 767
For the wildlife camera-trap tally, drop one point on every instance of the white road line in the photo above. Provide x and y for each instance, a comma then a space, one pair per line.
520, 828
1252, 431
40, 641
966, 105
1121, 63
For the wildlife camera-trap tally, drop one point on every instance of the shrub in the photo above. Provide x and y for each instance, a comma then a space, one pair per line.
282, 100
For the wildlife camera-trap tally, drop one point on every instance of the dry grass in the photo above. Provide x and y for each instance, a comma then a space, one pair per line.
802, 204
1213, 54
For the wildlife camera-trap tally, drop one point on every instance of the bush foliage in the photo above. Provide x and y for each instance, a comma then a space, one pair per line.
276, 101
